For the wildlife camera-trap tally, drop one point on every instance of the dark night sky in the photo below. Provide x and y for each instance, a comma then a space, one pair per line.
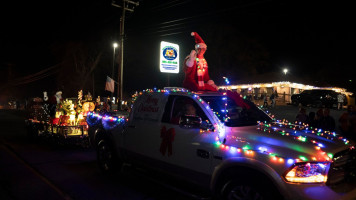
315, 41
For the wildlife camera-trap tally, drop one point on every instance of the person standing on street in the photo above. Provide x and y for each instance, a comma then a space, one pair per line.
328, 122
273, 100
302, 116
347, 123
340, 101
311, 120
265, 101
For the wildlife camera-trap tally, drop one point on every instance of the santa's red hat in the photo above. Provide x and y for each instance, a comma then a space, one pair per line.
199, 42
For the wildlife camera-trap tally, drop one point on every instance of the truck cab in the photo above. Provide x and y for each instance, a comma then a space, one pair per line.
208, 140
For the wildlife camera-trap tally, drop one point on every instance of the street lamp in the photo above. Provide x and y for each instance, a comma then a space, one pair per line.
285, 70
113, 59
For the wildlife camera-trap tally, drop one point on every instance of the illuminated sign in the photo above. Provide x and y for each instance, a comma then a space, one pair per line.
169, 57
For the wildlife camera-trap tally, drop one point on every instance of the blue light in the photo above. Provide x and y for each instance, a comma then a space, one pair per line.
232, 149
322, 165
290, 161
262, 149
320, 145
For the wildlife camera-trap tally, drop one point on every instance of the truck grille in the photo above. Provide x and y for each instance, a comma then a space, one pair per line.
342, 173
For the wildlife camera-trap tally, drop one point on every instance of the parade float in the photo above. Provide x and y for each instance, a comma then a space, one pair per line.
62, 121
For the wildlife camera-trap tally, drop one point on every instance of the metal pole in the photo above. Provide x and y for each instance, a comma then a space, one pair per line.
113, 65
122, 32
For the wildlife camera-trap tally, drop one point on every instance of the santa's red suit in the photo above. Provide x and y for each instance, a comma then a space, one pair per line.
196, 69
197, 76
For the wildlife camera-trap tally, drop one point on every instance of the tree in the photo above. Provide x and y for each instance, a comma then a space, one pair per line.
78, 64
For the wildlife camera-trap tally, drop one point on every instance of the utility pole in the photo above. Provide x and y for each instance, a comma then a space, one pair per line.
127, 5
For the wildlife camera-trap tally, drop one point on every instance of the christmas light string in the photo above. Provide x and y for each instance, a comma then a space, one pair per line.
108, 122
277, 127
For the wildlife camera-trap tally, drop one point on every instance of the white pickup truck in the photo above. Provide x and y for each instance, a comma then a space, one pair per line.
233, 152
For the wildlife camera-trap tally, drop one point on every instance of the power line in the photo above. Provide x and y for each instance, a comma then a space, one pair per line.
166, 6
197, 18
33, 77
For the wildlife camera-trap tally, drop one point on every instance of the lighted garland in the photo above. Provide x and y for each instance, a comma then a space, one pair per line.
93, 119
108, 122
298, 127
248, 150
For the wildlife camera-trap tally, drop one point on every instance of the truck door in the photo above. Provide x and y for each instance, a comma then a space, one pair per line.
141, 138
188, 150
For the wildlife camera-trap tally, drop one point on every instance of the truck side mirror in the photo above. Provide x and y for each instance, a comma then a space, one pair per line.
189, 121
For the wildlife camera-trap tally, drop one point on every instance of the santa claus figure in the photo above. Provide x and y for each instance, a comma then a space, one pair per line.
196, 68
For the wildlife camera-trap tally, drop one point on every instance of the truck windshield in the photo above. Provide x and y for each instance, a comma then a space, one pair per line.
232, 114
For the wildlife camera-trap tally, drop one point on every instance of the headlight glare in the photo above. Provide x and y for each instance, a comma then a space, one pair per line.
308, 172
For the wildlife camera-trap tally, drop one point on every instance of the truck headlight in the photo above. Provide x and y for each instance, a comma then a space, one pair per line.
308, 172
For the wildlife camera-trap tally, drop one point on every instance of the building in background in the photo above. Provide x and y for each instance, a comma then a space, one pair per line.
284, 86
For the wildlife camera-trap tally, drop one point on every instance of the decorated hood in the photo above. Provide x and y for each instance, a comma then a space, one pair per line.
286, 141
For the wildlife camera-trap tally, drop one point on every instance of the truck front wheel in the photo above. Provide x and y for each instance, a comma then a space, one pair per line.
107, 158
249, 186
237, 190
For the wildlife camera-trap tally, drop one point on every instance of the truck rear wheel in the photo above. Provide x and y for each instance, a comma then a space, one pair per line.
107, 158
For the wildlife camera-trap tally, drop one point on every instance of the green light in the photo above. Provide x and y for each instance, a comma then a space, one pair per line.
330, 155
303, 158
246, 147
303, 139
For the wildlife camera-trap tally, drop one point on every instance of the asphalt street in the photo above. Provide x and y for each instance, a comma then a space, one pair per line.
30, 170
45, 170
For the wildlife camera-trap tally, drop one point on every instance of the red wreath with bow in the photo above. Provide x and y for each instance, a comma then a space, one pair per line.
167, 140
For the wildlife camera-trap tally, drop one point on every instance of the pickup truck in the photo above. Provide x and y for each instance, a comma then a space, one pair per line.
231, 151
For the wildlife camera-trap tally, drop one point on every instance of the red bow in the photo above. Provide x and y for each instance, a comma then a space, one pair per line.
167, 139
